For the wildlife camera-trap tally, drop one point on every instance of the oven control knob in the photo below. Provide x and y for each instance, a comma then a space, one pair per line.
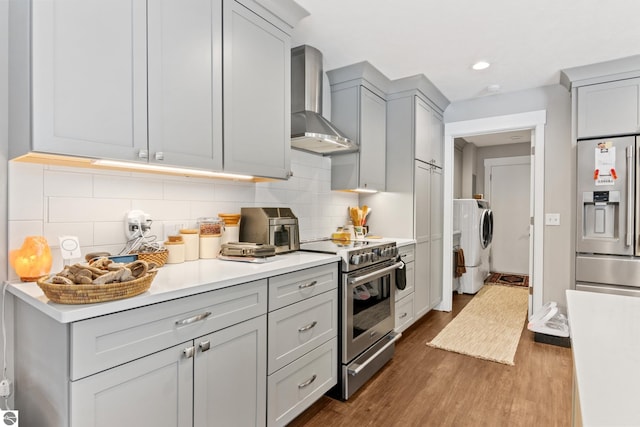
368, 256
375, 255
355, 259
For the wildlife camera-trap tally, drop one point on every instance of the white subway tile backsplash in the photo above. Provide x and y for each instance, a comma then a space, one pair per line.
25, 198
163, 210
93, 203
109, 233
67, 184
238, 192
76, 209
18, 230
194, 191
82, 230
120, 187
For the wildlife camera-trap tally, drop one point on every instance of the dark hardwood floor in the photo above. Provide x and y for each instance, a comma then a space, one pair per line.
424, 386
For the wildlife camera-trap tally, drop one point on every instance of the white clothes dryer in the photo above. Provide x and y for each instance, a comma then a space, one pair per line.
474, 219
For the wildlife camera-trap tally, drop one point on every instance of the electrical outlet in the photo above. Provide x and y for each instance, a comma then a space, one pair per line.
552, 219
5, 388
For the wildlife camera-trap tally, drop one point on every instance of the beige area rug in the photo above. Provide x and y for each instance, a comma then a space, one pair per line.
489, 326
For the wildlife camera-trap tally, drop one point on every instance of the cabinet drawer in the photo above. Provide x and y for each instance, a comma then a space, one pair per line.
407, 253
298, 328
404, 313
103, 342
297, 286
297, 386
411, 278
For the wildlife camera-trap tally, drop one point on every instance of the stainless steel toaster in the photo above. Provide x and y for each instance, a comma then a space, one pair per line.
270, 226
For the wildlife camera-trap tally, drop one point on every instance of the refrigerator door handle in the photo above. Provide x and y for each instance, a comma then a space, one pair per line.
630, 196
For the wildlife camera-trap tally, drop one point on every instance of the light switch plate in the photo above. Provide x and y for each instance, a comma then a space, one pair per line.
552, 219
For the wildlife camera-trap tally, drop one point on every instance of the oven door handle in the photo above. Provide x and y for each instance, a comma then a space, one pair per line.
395, 336
375, 274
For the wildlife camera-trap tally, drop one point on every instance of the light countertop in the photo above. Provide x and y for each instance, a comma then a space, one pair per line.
605, 336
175, 281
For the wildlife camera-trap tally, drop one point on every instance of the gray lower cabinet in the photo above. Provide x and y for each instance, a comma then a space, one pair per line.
405, 297
198, 360
215, 380
302, 350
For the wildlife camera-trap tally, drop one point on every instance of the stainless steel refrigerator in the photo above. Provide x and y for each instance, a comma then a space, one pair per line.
608, 216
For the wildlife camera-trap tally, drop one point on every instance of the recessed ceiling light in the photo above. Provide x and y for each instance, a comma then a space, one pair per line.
480, 65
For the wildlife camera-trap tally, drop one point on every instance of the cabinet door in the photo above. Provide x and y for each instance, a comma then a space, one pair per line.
89, 78
436, 142
373, 131
422, 130
436, 237
422, 262
609, 108
156, 390
230, 376
257, 90
422, 286
185, 83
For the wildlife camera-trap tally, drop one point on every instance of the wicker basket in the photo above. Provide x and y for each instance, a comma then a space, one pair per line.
88, 294
158, 258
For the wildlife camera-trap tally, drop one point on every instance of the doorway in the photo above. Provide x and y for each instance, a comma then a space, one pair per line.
507, 186
535, 122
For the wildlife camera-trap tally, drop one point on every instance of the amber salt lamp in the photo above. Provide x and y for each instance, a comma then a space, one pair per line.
33, 260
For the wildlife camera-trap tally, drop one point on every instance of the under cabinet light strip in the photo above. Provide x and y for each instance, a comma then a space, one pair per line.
170, 169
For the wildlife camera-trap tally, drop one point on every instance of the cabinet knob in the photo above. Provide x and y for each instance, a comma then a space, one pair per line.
159, 155
204, 345
143, 154
189, 352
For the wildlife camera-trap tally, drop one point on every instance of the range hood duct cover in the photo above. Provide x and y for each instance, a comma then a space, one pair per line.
310, 131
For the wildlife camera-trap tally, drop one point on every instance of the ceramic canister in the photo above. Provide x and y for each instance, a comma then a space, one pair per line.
231, 233
175, 247
209, 246
191, 243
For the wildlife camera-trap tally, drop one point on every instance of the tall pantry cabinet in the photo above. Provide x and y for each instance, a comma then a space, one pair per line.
412, 205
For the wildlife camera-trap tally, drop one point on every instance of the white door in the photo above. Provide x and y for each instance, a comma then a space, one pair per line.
507, 189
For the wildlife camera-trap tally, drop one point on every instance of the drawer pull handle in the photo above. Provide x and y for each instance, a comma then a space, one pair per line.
307, 327
200, 316
308, 382
204, 345
403, 315
189, 352
307, 285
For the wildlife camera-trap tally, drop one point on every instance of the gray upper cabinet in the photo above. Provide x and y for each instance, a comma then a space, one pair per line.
88, 93
429, 134
608, 109
154, 93
184, 83
358, 108
257, 94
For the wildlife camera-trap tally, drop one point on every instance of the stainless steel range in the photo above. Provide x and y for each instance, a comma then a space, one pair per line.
367, 308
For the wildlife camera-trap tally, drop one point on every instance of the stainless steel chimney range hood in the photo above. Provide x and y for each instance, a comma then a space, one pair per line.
310, 131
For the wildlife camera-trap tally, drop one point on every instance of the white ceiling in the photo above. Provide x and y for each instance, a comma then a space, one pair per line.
527, 42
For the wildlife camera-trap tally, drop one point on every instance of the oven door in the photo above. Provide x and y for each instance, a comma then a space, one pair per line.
369, 311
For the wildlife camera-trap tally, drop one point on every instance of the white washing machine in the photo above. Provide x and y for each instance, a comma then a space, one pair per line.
474, 220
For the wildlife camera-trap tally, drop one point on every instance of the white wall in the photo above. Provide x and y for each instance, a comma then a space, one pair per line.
559, 171
91, 204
